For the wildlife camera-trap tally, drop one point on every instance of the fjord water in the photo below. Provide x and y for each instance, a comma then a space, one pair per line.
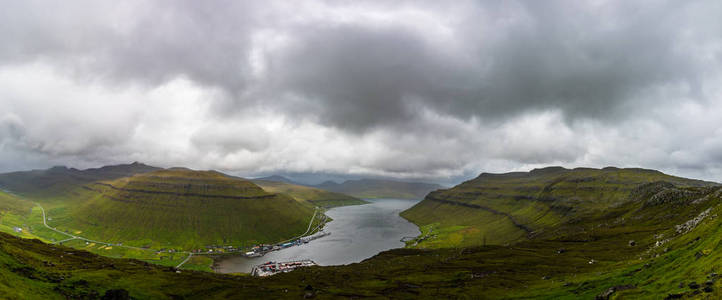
357, 233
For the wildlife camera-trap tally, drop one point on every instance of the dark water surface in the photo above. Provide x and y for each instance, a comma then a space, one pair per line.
357, 233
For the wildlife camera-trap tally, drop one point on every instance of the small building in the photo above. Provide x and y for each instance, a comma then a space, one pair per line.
18, 229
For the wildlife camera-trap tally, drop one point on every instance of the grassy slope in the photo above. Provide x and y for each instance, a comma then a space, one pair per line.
653, 268
507, 208
63, 191
183, 208
13, 211
530, 269
313, 196
372, 188
13, 204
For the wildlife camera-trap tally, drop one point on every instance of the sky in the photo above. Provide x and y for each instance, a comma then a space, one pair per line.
415, 90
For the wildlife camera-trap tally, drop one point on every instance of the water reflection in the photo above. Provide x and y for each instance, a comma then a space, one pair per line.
357, 233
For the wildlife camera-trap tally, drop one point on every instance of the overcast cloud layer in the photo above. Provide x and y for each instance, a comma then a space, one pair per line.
419, 89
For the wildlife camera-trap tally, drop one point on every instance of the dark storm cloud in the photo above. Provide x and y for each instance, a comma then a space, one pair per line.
421, 88
499, 59
550, 55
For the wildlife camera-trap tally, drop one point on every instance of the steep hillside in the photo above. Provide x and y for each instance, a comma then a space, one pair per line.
10, 203
13, 209
511, 207
181, 207
310, 195
662, 243
58, 181
377, 188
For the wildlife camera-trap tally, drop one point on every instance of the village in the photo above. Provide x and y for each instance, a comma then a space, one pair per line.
260, 250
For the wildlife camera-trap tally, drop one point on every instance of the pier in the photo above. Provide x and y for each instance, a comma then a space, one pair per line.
272, 268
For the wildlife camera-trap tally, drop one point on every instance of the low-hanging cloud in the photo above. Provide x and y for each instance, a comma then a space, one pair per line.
404, 89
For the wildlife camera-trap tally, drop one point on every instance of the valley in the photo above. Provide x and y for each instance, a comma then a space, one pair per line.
356, 233
550, 233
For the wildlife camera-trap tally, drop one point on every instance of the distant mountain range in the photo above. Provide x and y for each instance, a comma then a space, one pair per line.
366, 188
57, 180
380, 188
315, 196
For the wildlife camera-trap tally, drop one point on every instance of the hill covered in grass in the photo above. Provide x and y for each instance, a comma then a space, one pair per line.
186, 208
310, 195
662, 242
512, 207
10, 203
58, 181
13, 209
379, 188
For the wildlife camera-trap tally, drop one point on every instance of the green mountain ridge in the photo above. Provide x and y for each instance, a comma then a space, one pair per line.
511, 207
187, 208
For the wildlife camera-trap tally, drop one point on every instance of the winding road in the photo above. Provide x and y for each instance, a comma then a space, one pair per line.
74, 237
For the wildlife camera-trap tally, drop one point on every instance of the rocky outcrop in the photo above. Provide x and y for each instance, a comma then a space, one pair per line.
647, 190
669, 196
608, 292
691, 224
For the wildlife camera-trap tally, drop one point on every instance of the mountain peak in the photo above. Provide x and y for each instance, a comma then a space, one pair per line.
548, 170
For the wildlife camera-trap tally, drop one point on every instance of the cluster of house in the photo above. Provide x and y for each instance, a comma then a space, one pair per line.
208, 249
256, 251
260, 250
164, 250
218, 249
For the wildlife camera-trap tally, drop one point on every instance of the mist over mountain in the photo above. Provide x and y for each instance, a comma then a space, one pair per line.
379, 188
419, 91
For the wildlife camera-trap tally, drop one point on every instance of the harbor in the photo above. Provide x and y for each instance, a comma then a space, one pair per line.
272, 268
356, 233
263, 249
